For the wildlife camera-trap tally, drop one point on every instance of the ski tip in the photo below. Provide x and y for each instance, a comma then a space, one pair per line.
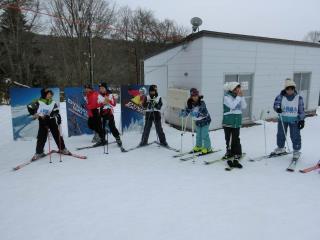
15, 169
301, 171
290, 170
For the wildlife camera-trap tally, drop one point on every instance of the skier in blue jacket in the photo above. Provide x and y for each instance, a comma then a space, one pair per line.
196, 107
290, 107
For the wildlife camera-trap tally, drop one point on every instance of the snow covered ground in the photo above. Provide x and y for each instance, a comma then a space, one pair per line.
148, 195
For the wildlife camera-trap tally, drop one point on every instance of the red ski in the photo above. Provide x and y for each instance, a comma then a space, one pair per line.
47, 154
310, 169
71, 155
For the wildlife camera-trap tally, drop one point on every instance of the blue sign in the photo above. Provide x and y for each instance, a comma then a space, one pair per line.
76, 111
131, 107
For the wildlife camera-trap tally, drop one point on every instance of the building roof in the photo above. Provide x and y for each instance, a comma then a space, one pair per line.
233, 36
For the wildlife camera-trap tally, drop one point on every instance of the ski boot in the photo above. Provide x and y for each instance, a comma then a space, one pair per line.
196, 149
228, 154
236, 163
119, 142
296, 155
100, 143
65, 151
95, 138
278, 151
38, 156
206, 151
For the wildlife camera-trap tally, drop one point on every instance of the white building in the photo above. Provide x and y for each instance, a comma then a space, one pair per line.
206, 60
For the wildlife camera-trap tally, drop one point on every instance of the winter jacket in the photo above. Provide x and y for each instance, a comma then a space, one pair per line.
297, 112
46, 109
199, 112
107, 109
92, 103
152, 106
232, 110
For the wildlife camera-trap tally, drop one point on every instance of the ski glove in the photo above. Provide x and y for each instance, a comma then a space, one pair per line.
195, 114
183, 113
58, 118
279, 110
301, 124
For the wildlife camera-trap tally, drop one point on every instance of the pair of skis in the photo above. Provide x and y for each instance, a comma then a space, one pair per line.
271, 155
185, 156
154, 142
45, 155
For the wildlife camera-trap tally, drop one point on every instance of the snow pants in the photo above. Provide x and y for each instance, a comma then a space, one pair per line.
44, 127
294, 135
109, 118
203, 138
95, 124
232, 137
147, 127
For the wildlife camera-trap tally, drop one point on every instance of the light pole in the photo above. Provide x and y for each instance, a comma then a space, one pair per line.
90, 47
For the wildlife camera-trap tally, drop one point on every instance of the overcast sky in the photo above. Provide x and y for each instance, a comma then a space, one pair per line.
290, 19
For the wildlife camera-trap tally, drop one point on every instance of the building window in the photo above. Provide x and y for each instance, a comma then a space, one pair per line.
302, 79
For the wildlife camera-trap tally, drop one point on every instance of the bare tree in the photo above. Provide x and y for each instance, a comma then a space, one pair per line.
18, 53
76, 20
313, 36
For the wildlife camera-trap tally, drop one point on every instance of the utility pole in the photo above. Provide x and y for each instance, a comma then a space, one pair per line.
90, 46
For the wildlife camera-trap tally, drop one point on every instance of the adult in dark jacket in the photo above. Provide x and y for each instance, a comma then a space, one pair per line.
93, 109
152, 105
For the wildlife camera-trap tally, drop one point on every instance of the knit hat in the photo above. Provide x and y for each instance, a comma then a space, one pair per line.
153, 88
44, 92
194, 92
87, 86
143, 91
230, 86
289, 83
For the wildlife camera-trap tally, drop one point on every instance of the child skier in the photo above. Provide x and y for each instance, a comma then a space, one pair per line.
106, 111
290, 108
47, 112
233, 104
152, 104
94, 118
196, 107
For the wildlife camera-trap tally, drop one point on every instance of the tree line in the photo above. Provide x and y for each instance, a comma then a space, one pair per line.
47, 43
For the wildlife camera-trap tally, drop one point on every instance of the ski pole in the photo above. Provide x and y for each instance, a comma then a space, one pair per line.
107, 138
284, 132
60, 150
50, 160
192, 129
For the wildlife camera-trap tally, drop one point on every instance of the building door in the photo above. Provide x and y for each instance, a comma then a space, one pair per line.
246, 81
303, 86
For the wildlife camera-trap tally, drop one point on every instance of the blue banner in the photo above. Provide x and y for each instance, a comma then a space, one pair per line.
132, 113
76, 111
24, 126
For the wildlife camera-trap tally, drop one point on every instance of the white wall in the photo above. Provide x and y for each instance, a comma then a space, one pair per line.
270, 63
168, 69
208, 59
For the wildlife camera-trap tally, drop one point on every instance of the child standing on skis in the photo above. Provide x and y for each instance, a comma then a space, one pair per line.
233, 104
196, 107
152, 105
47, 112
290, 108
106, 97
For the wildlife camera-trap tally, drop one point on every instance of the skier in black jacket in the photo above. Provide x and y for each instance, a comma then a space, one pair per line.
47, 112
152, 104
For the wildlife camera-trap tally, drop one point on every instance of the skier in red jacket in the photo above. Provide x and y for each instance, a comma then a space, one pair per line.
106, 111
94, 119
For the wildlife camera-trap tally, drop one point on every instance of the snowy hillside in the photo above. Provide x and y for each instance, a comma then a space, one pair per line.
146, 194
